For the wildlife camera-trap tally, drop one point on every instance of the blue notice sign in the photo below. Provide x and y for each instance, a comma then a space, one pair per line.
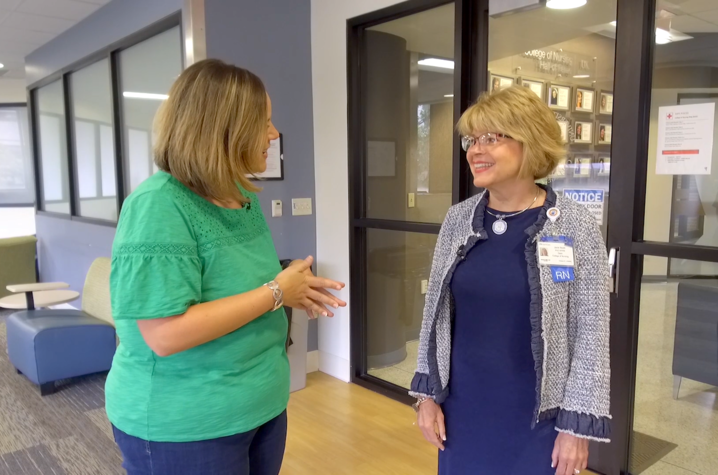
591, 199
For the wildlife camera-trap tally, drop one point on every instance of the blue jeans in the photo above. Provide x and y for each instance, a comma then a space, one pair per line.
257, 452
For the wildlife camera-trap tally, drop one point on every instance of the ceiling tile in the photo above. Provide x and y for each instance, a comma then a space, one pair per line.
698, 6
711, 16
67, 9
38, 23
3, 15
14, 47
9, 4
95, 2
37, 38
690, 24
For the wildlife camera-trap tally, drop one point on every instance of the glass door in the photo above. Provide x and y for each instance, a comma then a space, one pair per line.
665, 323
402, 179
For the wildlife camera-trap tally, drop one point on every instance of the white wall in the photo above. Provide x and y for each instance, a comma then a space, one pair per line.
12, 90
329, 87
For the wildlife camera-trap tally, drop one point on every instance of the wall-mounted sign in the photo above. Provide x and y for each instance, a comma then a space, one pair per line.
561, 62
685, 139
591, 199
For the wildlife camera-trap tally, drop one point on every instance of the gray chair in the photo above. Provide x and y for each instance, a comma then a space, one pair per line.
695, 352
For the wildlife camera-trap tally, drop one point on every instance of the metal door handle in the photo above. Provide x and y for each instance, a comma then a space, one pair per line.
613, 259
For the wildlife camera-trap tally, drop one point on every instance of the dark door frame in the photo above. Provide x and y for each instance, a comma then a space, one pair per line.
470, 54
626, 209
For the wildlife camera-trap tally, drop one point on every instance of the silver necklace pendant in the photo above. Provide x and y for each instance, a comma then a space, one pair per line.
499, 227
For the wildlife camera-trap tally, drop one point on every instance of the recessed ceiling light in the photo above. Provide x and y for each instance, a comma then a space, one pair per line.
448, 95
145, 95
613, 23
565, 4
2, 65
582, 76
437, 63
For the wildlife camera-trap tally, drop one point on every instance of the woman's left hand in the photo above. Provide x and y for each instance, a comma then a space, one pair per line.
570, 454
319, 293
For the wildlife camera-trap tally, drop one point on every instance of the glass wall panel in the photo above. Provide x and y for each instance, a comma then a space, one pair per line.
148, 70
94, 145
52, 142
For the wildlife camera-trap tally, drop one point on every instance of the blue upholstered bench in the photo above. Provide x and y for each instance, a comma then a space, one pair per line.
50, 345
47, 345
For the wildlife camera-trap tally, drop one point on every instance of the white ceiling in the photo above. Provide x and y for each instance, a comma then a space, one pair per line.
26, 25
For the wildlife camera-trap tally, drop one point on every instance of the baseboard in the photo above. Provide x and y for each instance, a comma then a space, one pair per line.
334, 366
312, 361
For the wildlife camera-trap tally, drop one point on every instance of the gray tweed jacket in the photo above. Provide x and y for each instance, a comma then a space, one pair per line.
570, 320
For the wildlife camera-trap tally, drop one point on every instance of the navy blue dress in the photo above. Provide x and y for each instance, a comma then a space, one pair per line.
492, 386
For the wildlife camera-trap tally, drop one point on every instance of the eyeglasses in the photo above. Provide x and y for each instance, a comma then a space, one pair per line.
490, 138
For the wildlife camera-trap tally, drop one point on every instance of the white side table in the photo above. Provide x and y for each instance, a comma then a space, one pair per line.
32, 296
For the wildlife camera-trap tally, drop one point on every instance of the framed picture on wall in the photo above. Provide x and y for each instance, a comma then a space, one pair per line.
582, 165
605, 102
583, 132
584, 99
564, 126
497, 82
538, 87
603, 165
603, 133
558, 97
560, 170
275, 161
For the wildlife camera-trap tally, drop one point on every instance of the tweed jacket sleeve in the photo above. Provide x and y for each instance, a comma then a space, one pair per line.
585, 411
424, 385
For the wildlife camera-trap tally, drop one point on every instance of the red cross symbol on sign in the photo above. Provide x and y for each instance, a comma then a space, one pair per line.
670, 116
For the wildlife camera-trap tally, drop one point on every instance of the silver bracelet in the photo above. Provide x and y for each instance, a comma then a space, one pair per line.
277, 294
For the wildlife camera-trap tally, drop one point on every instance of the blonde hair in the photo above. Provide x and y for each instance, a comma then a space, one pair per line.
211, 131
518, 112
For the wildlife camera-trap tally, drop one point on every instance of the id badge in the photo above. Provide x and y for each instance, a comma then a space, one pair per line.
557, 252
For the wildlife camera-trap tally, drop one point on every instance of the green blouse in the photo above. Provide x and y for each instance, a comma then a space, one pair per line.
174, 249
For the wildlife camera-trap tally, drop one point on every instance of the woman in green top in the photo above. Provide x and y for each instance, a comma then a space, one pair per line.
200, 380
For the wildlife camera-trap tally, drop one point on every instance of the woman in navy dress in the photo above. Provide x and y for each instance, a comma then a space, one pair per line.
528, 384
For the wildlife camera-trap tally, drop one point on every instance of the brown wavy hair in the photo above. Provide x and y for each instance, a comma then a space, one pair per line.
211, 131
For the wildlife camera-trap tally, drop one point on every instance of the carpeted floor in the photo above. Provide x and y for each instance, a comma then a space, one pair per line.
66, 433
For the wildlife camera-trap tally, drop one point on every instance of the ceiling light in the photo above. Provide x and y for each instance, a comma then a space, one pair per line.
448, 95
437, 63
565, 4
582, 76
2, 65
613, 23
145, 95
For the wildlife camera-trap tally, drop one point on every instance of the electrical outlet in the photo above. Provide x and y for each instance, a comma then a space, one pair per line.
412, 200
276, 208
301, 206
424, 287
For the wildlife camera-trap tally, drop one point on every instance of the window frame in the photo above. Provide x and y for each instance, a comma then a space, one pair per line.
110, 53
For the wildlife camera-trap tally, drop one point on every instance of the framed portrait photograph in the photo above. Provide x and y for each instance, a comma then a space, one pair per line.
603, 165
564, 126
538, 87
582, 165
497, 82
275, 161
603, 133
558, 97
583, 132
584, 99
560, 170
605, 102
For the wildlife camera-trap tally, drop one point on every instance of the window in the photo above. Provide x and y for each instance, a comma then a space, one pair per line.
16, 177
148, 70
52, 145
94, 145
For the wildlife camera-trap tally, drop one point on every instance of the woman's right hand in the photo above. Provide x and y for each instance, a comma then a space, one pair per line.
431, 422
301, 290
